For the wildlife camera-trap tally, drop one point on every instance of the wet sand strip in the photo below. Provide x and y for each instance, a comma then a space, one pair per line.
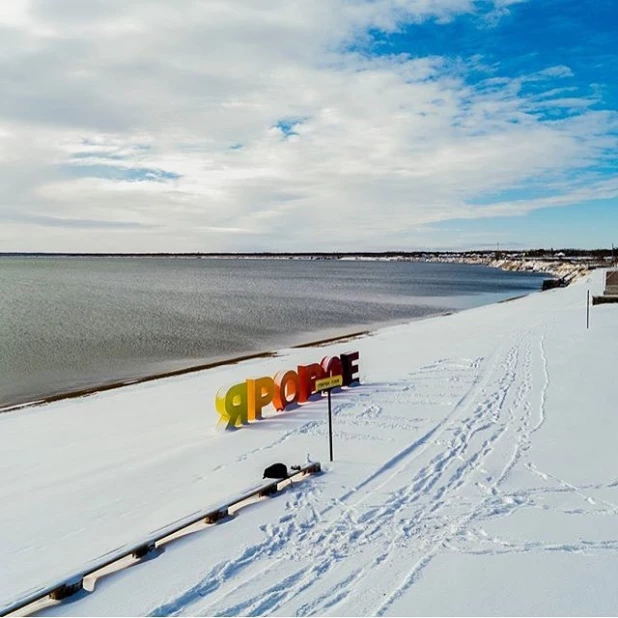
91, 390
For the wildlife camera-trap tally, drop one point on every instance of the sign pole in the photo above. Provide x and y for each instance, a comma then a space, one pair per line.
327, 384
330, 426
588, 310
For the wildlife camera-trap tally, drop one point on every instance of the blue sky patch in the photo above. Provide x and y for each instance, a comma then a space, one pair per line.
287, 125
119, 173
532, 37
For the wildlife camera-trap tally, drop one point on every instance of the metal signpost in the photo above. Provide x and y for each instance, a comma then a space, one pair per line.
327, 384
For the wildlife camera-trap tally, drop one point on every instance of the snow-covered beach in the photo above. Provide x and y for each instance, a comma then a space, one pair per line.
475, 473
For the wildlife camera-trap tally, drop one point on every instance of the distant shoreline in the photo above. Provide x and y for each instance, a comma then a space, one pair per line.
567, 264
593, 255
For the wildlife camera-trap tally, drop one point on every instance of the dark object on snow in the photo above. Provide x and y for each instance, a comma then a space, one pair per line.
599, 300
276, 471
68, 589
550, 284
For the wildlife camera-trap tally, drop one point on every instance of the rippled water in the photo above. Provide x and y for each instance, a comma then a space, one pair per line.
68, 323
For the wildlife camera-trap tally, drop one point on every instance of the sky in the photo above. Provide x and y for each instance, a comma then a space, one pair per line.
287, 125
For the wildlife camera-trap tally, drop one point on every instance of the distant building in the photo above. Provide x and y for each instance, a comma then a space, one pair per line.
610, 294
611, 283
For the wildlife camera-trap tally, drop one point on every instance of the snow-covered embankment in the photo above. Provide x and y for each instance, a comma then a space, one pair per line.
474, 473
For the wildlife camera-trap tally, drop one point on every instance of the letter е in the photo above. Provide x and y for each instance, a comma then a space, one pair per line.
350, 368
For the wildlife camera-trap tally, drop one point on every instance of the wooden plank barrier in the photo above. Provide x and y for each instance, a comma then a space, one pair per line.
74, 583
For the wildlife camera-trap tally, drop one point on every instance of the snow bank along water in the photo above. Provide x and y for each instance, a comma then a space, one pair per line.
242, 403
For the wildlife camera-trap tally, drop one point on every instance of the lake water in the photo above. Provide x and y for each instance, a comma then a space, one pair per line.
70, 323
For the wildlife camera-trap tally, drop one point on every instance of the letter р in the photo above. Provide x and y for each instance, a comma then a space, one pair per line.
260, 393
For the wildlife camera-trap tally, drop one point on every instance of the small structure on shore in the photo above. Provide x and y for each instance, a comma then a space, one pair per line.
610, 295
550, 284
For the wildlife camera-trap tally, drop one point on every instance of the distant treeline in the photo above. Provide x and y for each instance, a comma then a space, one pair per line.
529, 253
595, 253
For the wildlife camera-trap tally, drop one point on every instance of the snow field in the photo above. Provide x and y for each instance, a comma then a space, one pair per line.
474, 473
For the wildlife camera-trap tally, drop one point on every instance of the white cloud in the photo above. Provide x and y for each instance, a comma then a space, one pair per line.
381, 146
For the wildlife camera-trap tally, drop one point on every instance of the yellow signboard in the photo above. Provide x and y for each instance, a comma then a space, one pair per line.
325, 383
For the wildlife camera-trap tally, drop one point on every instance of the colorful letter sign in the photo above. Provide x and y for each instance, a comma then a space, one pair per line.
243, 403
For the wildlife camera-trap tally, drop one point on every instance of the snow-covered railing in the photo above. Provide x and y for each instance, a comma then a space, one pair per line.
74, 583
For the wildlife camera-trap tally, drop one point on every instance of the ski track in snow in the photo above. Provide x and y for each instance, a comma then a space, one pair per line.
327, 556
541, 420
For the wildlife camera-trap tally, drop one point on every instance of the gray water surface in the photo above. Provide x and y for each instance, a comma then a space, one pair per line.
69, 323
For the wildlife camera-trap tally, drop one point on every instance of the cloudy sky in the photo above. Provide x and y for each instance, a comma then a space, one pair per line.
292, 125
